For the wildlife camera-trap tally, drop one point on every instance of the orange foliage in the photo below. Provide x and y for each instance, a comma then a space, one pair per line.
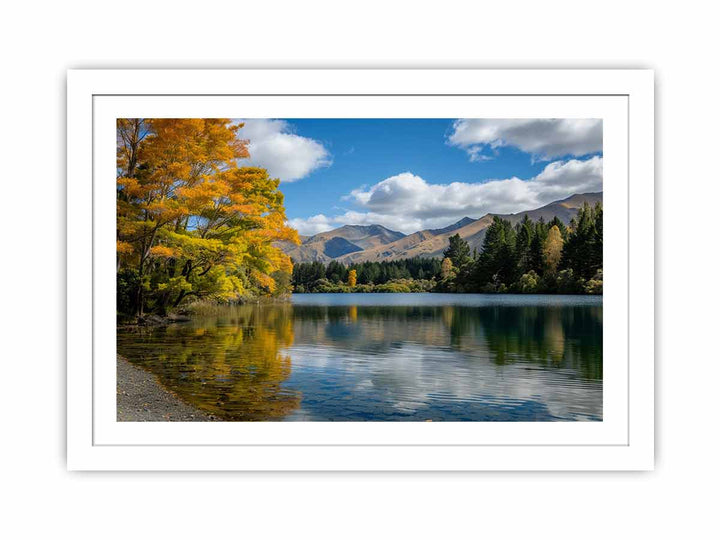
182, 198
162, 251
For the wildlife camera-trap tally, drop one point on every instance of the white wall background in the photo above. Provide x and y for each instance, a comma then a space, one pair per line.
40, 40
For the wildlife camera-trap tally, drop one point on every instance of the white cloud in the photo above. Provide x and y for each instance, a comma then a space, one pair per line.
284, 154
408, 203
321, 223
544, 138
312, 225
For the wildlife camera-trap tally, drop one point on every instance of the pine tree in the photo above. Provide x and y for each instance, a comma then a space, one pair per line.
458, 251
597, 241
537, 258
580, 252
497, 263
525, 232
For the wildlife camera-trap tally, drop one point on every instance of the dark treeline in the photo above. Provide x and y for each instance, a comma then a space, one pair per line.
415, 274
529, 257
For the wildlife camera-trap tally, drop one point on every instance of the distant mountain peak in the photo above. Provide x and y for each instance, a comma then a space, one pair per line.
370, 229
457, 225
577, 200
355, 232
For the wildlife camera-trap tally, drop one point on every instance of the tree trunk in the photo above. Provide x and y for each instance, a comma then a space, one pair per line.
179, 299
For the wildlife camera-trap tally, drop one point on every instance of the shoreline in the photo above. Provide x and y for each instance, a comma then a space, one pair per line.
141, 398
450, 292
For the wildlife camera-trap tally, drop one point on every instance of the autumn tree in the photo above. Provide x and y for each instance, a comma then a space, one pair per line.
556, 222
446, 269
190, 221
552, 250
352, 278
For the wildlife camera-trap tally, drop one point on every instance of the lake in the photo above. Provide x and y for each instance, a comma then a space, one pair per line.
385, 357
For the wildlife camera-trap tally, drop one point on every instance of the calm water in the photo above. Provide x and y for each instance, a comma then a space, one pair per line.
413, 357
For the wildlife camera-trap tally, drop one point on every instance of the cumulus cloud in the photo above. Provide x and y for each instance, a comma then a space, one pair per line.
314, 224
544, 138
408, 203
285, 155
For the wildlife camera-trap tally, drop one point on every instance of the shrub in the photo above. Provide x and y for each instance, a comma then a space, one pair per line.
595, 284
568, 283
393, 287
528, 283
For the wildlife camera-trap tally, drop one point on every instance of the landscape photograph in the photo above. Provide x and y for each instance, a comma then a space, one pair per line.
350, 270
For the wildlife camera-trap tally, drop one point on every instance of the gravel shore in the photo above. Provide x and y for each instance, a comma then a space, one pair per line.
141, 398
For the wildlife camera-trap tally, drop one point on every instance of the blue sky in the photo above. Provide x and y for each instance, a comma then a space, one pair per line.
410, 174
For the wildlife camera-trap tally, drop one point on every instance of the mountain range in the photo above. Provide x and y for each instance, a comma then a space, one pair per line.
359, 243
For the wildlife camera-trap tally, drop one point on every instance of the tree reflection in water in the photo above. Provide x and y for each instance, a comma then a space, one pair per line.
563, 336
232, 366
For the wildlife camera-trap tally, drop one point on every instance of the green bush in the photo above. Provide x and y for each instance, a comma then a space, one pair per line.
528, 283
595, 284
568, 283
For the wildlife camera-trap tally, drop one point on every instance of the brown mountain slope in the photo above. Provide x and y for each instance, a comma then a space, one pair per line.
432, 243
329, 245
364, 236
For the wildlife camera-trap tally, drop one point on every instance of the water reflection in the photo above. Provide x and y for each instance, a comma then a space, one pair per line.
232, 365
485, 359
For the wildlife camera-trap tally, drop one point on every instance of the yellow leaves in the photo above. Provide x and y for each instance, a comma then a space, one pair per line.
192, 246
263, 280
278, 260
217, 283
124, 248
162, 251
274, 228
553, 248
175, 285
207, 144
157, 208
183, 201
288, 234
352, 278
173, 170
285, 264
250, 178
130, 186
446, 269
244, 209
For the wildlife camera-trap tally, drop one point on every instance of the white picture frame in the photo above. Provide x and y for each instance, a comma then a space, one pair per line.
624, 440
